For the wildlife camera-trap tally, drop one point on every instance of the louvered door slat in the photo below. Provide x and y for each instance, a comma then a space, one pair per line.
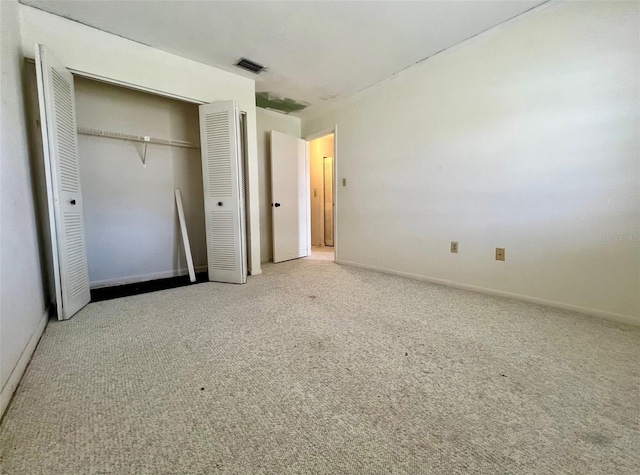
65, 131
219, 158
222, 240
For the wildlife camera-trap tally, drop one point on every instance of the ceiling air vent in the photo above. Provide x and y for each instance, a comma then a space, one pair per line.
244, 63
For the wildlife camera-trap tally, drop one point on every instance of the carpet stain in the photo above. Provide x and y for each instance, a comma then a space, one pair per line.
596, 439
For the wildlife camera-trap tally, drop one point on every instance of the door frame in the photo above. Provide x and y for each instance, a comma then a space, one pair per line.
137, 87
309, 138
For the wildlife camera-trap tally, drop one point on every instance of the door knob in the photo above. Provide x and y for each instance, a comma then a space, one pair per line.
73, 202
219, 203
277, 205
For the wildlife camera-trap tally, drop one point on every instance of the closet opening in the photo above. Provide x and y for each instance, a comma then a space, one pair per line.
135, 149
132, 231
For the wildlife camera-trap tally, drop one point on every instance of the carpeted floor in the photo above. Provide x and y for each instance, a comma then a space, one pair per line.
318, 368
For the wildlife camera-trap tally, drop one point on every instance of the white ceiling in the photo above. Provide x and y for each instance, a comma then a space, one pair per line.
315, 51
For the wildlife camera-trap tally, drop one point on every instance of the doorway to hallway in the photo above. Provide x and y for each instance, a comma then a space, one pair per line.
303, 195
322, 253
321, 152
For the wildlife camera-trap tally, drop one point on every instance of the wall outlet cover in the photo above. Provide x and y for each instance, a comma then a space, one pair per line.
499, 253
454, 247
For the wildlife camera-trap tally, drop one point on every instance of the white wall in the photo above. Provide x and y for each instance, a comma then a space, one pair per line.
91, 51
268, 121
526, 137
131, 226
22, 295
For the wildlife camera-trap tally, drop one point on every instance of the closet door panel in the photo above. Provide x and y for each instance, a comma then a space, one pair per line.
221, 174
59, 134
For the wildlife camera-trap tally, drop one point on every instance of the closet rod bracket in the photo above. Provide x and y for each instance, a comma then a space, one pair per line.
144, 154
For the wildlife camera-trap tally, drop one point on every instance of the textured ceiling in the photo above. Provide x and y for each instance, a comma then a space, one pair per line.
315, 51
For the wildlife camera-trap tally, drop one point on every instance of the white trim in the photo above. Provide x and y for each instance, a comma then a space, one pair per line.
128, 85
307, 158
615, 317
134, 279
135, 87
16, 375
336, 162
310, 211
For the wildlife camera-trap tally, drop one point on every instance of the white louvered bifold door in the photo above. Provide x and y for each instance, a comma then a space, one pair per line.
221, 174
60, 144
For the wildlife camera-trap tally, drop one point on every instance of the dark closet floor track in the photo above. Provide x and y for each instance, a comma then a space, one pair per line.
117, 291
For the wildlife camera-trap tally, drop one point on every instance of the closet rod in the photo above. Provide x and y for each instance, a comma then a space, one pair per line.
137, 138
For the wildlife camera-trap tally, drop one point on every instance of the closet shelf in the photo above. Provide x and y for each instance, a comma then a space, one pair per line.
137, 138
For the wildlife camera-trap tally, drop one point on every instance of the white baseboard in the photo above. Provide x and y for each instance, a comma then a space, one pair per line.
615, 317
134, 279
14, 379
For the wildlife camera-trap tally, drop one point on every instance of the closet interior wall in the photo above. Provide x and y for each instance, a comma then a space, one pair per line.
131, 226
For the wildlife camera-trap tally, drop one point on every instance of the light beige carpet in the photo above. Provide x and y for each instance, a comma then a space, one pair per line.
318, 368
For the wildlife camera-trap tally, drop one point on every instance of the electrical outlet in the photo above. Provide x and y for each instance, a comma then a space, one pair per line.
454, 247
499, 253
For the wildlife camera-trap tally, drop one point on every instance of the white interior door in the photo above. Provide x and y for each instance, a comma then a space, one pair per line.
223, 192
60, 146
289, 197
